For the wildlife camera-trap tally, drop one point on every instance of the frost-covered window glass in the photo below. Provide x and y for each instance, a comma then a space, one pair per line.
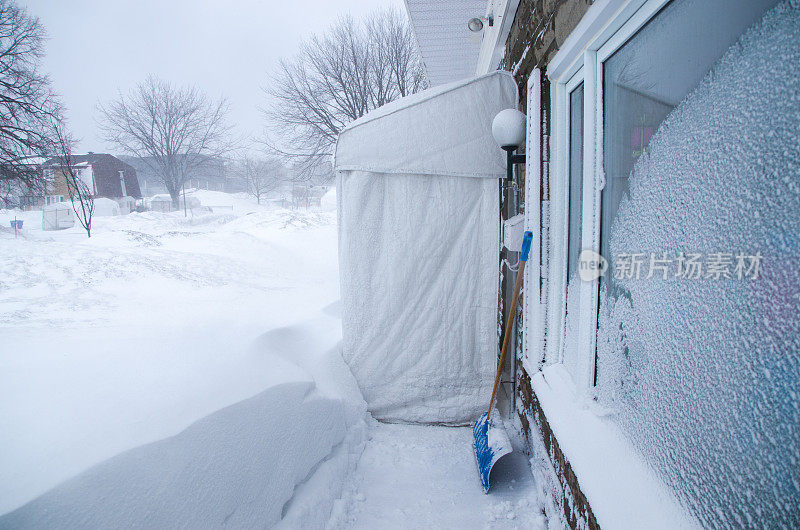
702, 373
571, 351
642, 82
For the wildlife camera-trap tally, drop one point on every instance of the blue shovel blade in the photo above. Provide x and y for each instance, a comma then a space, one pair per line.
491, 443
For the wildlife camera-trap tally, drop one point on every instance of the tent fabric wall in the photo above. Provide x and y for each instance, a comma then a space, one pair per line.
418, 212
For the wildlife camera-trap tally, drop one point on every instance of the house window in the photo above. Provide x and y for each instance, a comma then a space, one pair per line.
574, 228
575, 180
663, 358
632, 74
642, 81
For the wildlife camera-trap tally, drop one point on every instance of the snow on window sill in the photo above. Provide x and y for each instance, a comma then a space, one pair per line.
623, 491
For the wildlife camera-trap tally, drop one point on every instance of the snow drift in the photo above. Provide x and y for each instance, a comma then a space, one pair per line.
418, 242
162, 374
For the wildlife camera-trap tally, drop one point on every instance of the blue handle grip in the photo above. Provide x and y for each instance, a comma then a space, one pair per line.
526, 245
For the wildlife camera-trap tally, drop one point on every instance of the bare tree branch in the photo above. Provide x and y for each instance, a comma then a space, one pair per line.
80, 193
260, 177
336, 78
29, 109
174, 130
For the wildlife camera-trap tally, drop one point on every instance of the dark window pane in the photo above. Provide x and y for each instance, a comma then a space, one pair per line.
575, 178
571, 352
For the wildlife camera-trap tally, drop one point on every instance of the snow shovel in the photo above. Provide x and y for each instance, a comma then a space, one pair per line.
491, 442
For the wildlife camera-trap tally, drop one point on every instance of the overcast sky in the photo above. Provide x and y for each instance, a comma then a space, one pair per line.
99, 47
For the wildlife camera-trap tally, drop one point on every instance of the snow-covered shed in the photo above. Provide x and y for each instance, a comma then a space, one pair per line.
161, 203
58, 216
105, 207
189, 202
418, 243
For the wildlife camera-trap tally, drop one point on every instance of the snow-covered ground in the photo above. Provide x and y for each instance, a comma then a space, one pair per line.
185, 371
413, 476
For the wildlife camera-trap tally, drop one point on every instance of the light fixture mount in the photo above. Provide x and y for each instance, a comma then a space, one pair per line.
508, 130
475, 24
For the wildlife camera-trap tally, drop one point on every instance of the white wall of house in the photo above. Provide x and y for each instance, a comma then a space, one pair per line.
86, 174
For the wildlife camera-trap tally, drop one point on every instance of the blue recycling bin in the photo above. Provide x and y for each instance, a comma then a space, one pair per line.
16, 223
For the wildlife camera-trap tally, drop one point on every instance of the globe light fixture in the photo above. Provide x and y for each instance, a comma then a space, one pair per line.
475, 25
508, 130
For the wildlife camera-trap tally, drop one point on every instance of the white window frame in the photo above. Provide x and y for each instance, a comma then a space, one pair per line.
533, 333
604, 28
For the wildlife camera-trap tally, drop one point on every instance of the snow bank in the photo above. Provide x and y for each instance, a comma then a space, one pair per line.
705, 374
138, 386
282, 453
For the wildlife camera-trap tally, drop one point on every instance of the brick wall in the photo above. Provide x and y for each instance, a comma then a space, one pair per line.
540, 28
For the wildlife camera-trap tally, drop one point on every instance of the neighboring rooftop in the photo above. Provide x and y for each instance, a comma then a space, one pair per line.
449, 49
106, 173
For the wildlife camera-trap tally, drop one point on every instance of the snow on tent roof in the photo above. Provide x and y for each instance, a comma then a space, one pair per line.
445, 130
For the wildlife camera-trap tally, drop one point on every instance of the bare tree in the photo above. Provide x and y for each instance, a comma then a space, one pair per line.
336, 78
29, 109
260, 177
396, 64
80, 193
175, 130
9, 189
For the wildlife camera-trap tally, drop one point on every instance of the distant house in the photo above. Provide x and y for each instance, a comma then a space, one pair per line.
106, 175
212, 175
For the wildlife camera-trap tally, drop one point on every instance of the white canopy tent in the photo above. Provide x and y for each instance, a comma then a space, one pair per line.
418, 248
